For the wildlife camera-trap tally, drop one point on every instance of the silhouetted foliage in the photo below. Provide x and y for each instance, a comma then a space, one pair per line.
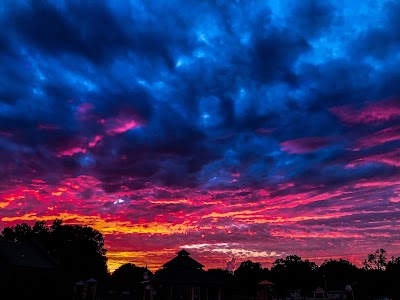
336, 274
78, 249
225, 277
128, 278
248, 267
376, 260
293, 273
393, 266
247, 276
392, 275
220, 274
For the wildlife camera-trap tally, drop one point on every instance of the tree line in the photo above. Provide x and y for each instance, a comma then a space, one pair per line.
378, 276
80, 251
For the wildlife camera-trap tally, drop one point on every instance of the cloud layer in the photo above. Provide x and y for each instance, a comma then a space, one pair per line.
246, 129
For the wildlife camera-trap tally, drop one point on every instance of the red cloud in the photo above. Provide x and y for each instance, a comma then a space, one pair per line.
73, 146
383, 136
95, 140
375, 112
390, 158
72, 151
304, 145
120, 124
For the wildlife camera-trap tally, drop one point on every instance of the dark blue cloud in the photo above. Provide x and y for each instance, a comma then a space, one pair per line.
215, 88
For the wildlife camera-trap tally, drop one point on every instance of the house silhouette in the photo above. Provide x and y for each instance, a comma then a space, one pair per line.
27, 271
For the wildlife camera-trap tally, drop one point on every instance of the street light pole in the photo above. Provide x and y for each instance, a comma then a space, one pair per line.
349, 289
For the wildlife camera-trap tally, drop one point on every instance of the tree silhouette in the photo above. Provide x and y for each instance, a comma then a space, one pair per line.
336, 274
81, 249
393, 265
293, 273
128, 277
392, 274
247, 276
220, 274
81, 253
78, 249
376, 260
248, 267
226, 279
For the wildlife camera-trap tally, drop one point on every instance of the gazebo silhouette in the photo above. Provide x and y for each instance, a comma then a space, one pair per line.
182, 278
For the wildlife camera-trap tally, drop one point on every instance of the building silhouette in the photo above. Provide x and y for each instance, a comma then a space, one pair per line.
27, 271
182, 278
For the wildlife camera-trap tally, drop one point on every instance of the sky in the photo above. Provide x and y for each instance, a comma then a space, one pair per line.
233, 129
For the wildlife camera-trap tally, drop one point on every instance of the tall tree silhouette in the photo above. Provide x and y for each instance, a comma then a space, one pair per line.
247, 276
293, 273
392, 276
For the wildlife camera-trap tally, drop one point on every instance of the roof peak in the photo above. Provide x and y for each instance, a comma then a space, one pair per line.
183, 260
183, 252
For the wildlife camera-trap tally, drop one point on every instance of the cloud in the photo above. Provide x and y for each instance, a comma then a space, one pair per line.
389, 158
255, 123
231, 265
304, 145
376, 112
378, 138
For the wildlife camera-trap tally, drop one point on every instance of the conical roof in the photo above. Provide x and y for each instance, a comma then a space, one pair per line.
26, 254
183, 269
183, 252
265, 282
183, 260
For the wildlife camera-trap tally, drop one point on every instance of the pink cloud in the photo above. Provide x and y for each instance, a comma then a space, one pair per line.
373, 112
376, 184
380, 137
81, 145
120, 124
231, 265
72, 151
304, 145
72, 147
95, 140
390, 158
84, 108
83, 111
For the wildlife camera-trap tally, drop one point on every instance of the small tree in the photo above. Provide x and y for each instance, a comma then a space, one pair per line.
376, 260
128, 277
